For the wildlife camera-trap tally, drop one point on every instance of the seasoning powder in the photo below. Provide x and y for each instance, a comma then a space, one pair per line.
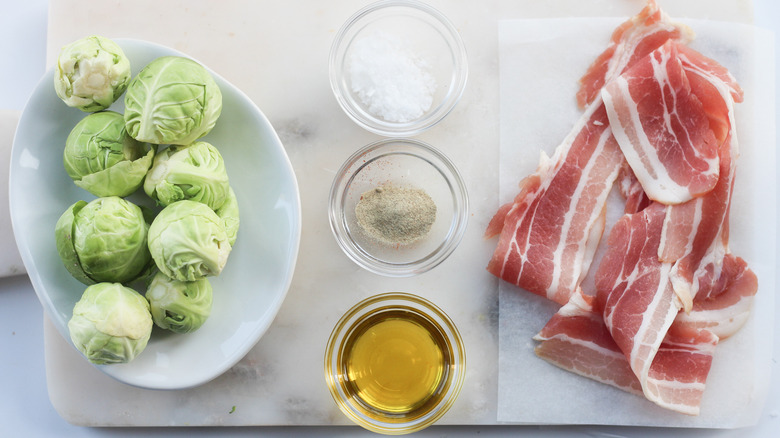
389, 79
396, 215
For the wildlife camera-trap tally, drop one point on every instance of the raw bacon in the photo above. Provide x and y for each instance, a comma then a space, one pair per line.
695, 238
696, 232
664, 258
636, 298
631, 41
551, 231
662, 128
678, 375
725, 309
707, 67
577, 340
634, 292
633, 194
659, 119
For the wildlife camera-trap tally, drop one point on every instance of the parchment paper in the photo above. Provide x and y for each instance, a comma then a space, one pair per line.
540, 64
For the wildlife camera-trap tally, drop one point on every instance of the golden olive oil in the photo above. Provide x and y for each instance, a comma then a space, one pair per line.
396, 363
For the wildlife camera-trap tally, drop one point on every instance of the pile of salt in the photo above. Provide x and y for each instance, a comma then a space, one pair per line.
390, 79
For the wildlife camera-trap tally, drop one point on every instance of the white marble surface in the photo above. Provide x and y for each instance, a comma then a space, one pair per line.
285, 72
25, 407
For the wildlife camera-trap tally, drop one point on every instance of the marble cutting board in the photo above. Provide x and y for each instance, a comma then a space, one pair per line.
276, 52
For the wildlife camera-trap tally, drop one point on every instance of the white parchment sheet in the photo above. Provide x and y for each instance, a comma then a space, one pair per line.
540, 64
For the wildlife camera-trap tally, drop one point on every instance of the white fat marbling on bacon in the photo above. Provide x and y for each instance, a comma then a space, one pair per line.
630, 41
722, 322
639, 308
695, 235
551, 259
576, 339
591, 219
678, 377
691, 268
633, 289
550, 234
662, 129
726, 305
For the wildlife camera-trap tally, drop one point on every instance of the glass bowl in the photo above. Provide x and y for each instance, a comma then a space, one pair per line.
385, 54
395, 363
398, 163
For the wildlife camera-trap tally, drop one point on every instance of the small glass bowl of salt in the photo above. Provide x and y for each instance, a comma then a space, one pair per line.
398, 67
398, 207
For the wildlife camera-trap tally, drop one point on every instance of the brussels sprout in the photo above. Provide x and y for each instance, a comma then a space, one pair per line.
229, 215
63, 231
102, 159
188, 241
111, 323
91, 73
104, 240
173, 100
179, 306
195, 172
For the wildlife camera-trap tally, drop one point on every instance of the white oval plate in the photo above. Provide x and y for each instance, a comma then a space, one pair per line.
251, 288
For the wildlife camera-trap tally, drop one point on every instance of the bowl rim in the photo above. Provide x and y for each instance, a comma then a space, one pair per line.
409, 147
384, 302
456, 86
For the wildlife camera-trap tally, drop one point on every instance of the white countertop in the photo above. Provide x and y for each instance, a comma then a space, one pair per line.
25, 408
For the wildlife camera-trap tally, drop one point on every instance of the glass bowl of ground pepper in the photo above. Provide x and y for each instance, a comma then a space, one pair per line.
398, 67
398, 207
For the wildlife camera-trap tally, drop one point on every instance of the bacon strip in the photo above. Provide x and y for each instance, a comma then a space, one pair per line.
550, 233
659, 118
726, 308
577, 340
631, 41
665, 258
662, 128
633, 194
634, 291
696, 232
678, 375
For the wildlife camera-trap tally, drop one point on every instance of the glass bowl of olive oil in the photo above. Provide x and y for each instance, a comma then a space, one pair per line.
395, 363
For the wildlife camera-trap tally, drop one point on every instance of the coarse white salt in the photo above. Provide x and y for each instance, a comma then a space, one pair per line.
391, 80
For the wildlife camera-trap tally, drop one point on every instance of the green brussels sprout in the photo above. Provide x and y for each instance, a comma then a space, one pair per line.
111, 323
63, 232
91, 73
179, 306
195, 172
173, 100
229, 215
104, 240
188, 241
102, 159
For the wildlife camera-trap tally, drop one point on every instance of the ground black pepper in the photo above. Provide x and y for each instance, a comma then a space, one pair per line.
396, 215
